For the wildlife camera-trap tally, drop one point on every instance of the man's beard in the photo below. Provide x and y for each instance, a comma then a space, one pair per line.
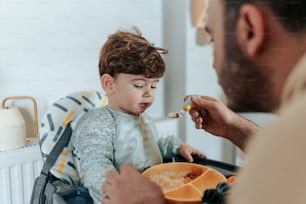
246, 85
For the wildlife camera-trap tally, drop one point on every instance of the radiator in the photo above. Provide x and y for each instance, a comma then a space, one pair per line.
20, 167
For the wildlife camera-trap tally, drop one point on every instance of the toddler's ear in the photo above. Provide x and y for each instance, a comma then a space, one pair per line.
106, 81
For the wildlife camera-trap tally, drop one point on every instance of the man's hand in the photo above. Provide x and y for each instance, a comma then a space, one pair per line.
130, 187
211, 115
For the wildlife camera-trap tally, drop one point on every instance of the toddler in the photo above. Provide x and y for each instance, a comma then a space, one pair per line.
130, 69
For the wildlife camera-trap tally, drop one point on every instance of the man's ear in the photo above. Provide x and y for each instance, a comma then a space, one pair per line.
250, 30
106, 81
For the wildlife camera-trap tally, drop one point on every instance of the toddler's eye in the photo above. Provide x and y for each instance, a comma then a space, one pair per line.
138, 86
154, 85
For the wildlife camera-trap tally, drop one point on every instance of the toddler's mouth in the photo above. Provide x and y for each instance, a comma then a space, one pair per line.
145, 105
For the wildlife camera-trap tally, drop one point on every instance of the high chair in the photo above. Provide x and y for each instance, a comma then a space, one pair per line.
67, 109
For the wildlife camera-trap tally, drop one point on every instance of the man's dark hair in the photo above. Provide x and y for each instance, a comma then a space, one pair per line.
291, 13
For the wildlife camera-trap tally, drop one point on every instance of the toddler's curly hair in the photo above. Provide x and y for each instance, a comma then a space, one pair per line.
130, 53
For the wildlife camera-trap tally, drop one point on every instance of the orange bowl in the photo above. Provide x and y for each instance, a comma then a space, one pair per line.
183, 182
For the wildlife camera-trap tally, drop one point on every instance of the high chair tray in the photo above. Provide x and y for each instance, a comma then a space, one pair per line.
226, 169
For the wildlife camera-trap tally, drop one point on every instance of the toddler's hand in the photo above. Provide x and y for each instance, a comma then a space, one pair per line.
187, 151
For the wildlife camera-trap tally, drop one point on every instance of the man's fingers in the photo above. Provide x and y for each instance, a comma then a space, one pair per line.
106, 200
127, 169
105, 186
109, 176
111, 173
206, 102
194, 113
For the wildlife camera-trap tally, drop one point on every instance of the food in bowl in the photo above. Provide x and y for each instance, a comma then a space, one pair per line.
184, 182
169, 180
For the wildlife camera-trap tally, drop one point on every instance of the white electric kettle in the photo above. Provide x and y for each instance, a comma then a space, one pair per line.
13, 127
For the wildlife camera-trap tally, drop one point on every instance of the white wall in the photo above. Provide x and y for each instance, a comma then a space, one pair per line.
190, 72
49, 49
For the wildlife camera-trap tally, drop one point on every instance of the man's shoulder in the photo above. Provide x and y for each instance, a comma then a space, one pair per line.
294, 111
274, 157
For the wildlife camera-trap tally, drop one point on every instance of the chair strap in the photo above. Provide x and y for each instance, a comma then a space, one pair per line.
57, 149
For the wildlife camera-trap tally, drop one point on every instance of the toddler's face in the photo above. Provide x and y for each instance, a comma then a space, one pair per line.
133, 93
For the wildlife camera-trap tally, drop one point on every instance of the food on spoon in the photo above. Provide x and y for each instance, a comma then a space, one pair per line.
177, 114
186, 107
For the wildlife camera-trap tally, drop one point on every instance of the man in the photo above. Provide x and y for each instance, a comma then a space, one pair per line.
259, 48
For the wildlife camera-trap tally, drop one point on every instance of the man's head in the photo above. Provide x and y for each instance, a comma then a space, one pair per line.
256, 45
